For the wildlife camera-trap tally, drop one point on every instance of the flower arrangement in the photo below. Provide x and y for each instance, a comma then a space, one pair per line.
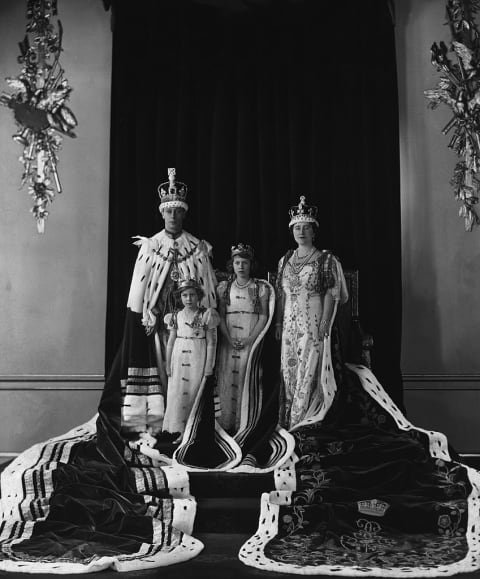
38, 103
459, 88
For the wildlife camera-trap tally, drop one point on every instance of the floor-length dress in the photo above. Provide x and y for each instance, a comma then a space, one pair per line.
304, 290
366, 492
242, 309
188, 363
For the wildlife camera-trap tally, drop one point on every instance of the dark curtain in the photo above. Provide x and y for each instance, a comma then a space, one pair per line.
257, 102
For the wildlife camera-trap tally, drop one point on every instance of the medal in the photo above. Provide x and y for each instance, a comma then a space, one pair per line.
175, 274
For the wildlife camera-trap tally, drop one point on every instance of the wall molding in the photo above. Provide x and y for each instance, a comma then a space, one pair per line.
411, 381
52, 381
455, 382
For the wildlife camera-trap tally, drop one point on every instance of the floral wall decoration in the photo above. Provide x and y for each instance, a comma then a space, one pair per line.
459, 88
38, 98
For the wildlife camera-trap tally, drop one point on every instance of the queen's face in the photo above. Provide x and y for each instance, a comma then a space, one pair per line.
303, 233
241, 266
173, 217
189, 298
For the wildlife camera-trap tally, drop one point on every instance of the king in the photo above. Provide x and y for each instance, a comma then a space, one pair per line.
162, 260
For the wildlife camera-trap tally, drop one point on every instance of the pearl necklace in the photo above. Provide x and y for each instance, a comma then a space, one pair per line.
297, 264
241, 286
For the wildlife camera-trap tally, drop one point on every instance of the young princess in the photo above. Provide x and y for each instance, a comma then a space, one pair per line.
244, 314
190, 354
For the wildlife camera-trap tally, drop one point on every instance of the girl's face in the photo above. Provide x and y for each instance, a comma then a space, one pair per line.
303, 233
241, 266
189, 298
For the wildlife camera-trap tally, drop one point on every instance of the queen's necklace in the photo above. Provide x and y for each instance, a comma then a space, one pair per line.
298, 264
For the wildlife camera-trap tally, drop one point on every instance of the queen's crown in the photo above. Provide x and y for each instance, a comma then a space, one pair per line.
172, 193
303, 212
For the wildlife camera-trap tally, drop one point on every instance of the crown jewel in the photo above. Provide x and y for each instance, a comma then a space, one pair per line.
243, 249
303, 212
172, 193
373, 507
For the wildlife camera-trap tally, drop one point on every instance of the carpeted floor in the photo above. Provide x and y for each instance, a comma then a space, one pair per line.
217, 561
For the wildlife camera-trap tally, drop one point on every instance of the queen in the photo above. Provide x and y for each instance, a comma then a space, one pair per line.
310, 284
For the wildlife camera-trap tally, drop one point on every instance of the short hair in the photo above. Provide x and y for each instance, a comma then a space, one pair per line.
199, 290
253, 263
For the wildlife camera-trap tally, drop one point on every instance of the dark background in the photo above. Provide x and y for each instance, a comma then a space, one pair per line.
256, 103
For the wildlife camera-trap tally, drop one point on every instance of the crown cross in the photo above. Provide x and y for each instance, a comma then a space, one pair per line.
172, 193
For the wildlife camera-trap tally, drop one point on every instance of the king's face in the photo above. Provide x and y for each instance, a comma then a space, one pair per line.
173, 218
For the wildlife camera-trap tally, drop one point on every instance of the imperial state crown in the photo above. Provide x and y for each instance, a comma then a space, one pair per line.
172, 193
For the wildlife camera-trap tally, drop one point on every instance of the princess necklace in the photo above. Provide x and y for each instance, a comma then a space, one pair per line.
243, 285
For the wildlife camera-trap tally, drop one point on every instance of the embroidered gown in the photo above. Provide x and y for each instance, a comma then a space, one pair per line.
189, 356
302, 346
242, 308
367, 492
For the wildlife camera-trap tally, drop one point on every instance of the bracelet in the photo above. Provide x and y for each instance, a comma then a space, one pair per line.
324, 323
